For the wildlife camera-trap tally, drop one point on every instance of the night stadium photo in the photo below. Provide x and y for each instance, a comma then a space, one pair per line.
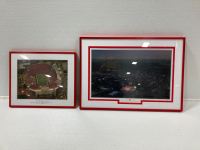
42, 79
134, 73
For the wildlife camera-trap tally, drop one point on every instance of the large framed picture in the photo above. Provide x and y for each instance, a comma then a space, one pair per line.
132, 73
42, 79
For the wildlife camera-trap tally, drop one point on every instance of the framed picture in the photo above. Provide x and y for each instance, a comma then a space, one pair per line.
132, 73
42, 79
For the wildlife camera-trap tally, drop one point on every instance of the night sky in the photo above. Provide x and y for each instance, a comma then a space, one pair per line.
131, 54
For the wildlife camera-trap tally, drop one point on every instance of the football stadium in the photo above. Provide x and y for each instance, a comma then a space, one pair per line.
42, 79
134, 74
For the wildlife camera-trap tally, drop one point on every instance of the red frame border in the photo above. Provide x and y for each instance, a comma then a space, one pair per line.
118, 101
130, 109
36, 52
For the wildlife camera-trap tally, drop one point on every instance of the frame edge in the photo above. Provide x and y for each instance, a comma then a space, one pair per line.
168, 38
40, 52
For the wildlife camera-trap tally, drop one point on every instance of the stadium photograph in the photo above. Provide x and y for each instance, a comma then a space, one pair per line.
42, 79
131, 74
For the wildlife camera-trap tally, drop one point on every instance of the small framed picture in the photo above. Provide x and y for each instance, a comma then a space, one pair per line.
42, 79
132, 73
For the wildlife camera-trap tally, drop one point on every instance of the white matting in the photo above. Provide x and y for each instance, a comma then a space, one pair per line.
34, 128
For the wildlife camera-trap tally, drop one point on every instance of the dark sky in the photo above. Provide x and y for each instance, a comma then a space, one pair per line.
131, 54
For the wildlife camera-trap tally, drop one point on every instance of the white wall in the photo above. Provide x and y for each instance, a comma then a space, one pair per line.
50, 24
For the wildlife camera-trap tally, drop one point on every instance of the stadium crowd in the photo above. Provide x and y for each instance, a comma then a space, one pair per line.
153, 84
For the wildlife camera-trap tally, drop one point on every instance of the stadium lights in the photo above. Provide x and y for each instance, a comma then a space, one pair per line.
145, 44
23, 56
134, 63
128, 73
48, 75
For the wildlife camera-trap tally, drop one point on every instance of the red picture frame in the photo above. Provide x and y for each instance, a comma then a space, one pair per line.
70, 57
92, 42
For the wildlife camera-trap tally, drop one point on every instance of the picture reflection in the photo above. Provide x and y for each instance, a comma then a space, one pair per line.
131, 74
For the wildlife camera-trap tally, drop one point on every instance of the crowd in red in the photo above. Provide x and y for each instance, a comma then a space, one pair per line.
37, 69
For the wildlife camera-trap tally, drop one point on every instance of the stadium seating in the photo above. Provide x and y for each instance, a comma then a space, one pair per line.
36, 69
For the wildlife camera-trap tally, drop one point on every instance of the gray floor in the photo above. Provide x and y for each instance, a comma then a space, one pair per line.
58, 129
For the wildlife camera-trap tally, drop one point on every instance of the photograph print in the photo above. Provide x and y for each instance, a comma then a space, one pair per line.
42, 79
134, 73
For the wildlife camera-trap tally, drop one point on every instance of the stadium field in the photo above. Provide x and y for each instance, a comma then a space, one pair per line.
42, 80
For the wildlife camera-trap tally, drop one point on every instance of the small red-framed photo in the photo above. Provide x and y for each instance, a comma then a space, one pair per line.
132, 73
42, 79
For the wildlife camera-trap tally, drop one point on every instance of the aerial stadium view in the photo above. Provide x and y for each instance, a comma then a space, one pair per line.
131, 74
42, 79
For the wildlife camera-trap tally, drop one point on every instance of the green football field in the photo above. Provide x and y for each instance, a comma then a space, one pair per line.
42, 80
